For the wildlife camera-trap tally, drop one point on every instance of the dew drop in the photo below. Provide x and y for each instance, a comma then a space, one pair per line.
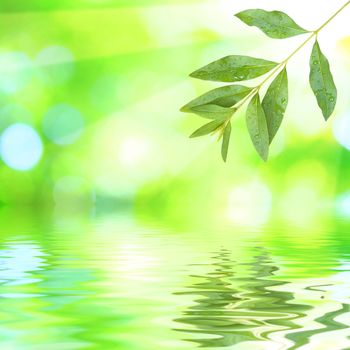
315, 62
331, 99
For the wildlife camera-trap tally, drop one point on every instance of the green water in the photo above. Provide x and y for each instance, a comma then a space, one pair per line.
119, 283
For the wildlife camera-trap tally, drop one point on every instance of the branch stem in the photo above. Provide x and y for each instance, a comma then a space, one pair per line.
332, 17
282, 64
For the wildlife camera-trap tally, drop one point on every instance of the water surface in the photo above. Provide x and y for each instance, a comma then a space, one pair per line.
118, 283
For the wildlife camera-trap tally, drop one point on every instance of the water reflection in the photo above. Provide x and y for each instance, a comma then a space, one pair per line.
327, 323
17, 262
239, 307
113, 284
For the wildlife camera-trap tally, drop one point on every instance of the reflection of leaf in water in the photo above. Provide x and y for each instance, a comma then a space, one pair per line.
236, 309
273, 305
328, 319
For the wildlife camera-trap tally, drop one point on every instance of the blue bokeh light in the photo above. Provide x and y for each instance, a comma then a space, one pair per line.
55, 65
16, 71
21, 147
63, 124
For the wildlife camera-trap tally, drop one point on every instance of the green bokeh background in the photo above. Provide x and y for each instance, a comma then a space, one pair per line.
122, 67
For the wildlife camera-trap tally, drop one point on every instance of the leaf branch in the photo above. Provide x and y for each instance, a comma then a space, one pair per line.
282, 64
263, 120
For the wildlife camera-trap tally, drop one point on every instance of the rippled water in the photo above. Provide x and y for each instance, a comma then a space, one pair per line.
115, 283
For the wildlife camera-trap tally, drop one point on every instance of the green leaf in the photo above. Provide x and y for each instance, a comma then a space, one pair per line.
226, 141
275, 103
321, 81
234, 68
208, 128
225, 96
257, 127
274, 24
213, 111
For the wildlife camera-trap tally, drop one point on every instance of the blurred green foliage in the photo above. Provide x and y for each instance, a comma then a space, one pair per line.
118, 70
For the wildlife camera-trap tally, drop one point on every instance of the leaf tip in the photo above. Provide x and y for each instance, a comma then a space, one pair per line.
224, 155
239, 14
265, 157
327, 116
194, 74
184, 109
